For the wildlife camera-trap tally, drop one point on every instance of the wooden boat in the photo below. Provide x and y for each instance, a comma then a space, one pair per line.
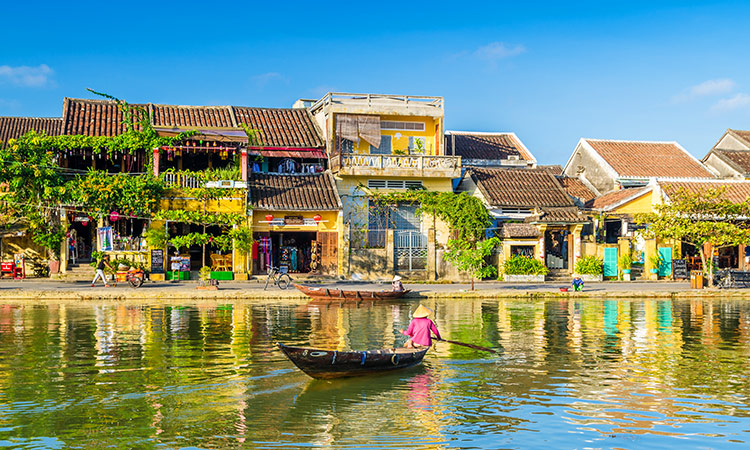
326, 364
340, 294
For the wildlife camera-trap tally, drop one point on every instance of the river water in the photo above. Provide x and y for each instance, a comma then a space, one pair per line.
572, 374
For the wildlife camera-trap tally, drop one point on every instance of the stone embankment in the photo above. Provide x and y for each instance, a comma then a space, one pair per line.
41, 291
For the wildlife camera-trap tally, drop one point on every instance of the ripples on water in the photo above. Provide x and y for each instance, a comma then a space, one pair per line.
573, 374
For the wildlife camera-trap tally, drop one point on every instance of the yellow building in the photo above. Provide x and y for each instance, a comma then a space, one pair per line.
382, 144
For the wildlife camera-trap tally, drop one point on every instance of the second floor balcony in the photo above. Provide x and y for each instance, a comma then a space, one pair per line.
397, 165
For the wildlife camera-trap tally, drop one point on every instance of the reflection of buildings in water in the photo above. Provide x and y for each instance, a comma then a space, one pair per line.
104, 335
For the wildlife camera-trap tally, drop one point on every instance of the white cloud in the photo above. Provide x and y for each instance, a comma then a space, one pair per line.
265, 78
495, 51
707, 88
39, 76
739, 101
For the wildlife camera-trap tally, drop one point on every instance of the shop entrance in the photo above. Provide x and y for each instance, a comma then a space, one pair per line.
81, 240
556, 248
292, 251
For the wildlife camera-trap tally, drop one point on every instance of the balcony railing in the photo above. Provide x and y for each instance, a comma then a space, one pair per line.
404, 165
179, 180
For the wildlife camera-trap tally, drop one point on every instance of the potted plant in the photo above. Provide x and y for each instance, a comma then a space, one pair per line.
521, 268
625, 261
655, 261
589, 268
205, 282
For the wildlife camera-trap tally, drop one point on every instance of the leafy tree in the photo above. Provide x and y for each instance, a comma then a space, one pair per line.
696, 218
471, 257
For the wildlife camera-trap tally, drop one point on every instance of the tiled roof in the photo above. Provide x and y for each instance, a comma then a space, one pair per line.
15, 127
291, 128
649, 159
313, 192
93, 117
575, 188
517, 230
614, 198
735, 191
279, 127
557, 215
554, 169
192, 116
519, 187
492, 146
739, 158
742, 134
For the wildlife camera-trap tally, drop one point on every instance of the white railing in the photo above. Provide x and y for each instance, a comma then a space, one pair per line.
409, 239
401, 161
374, 100
181, 181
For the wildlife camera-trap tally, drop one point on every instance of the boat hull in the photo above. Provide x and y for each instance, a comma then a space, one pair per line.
327, 364
340, 294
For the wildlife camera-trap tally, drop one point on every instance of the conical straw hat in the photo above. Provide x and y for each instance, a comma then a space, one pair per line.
422, 311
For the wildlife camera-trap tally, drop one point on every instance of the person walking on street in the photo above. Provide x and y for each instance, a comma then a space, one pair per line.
420, 329
100, 271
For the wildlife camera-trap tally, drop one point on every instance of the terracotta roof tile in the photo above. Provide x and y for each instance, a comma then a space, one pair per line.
517, 230
279, 127
742, 134
93, 117
490, 146
740, 158
15, 127
519, 187
313, 192
735, 191
612, 199
289, 128
575, 188
192, 116
649, 159
554, 169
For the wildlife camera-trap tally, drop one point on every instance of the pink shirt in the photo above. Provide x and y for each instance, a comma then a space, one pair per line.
419, 331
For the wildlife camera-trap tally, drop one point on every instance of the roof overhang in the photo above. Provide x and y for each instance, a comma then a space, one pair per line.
237, 135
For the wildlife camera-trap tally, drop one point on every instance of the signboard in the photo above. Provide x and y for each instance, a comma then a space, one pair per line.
293, 220
157, 260
636, 226
179, 263
679, 269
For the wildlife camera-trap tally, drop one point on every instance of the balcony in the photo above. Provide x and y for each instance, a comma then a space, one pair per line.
398, 165
193, 181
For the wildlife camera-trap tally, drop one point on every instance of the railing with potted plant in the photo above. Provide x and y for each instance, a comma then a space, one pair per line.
521, 268
589, 268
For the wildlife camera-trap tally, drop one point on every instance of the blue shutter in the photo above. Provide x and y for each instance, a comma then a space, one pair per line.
610, 262
665, 268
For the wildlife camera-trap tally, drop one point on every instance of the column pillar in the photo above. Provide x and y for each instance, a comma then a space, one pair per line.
156, 162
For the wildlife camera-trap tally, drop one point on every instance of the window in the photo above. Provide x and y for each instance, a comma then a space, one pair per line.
401, 126
385, 146
395, 184
506, 211
346, 146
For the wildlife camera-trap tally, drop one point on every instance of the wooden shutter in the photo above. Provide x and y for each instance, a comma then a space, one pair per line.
329, 246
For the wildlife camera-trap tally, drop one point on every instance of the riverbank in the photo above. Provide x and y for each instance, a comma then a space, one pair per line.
39, 290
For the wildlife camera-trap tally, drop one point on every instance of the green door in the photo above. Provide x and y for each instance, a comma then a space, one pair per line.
610, 262
665, 268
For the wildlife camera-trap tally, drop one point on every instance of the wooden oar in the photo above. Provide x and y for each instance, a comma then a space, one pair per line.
469, 345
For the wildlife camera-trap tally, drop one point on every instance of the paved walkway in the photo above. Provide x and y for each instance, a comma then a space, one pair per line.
32, 289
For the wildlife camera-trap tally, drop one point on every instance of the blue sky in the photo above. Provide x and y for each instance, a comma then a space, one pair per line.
552, 72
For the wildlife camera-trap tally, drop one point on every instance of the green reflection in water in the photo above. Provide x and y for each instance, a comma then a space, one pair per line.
626, 374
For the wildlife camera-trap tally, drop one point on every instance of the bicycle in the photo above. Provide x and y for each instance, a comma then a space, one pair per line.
282, 280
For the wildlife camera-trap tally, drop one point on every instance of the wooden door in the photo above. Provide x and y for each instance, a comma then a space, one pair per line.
665, 268
329, 246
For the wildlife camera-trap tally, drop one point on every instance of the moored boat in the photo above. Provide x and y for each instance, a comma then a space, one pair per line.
339, 294
326, 364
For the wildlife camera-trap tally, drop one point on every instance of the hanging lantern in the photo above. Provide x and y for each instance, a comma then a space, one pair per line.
269, 217
114, 216
317, 218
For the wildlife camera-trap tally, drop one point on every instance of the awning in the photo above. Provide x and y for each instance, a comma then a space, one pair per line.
206, 134
289, 153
